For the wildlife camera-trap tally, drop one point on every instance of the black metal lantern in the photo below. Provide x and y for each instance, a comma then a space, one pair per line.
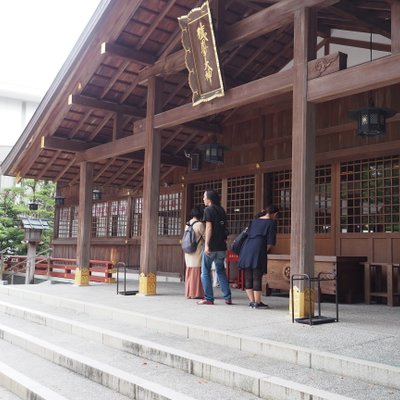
371, 120
59, 200
33, 206
96, 195
213, 152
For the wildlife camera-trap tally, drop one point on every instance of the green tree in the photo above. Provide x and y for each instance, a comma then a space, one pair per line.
14, 205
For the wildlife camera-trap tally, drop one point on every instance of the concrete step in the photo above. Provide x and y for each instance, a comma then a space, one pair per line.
117, 370
7, 394
29, 377
16, 386
368, 371
256, 374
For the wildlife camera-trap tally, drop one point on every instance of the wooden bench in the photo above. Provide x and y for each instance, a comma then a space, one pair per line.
382, 280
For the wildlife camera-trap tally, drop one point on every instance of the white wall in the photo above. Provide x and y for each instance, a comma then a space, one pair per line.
16, 109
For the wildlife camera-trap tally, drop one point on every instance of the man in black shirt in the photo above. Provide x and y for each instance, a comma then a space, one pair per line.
214, 248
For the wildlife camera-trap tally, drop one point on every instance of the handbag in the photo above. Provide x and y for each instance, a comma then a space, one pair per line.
239, 240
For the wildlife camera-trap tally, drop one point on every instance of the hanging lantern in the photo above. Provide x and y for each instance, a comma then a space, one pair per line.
371, 120
96, 195
213, 152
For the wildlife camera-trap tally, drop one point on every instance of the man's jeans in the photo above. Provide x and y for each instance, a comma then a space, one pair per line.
206, 279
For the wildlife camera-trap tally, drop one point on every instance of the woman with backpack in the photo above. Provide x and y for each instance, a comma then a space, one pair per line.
193, 287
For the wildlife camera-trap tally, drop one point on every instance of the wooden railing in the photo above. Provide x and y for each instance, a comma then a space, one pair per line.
99, 270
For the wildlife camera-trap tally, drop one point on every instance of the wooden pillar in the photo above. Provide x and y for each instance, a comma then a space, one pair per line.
84, 224
151, 192
303, 160
395, 27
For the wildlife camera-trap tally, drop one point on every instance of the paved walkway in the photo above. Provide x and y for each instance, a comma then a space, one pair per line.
367, 332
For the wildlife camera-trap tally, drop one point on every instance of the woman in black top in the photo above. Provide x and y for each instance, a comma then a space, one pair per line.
253, 256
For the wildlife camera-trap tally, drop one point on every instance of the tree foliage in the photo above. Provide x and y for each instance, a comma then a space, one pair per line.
14, 205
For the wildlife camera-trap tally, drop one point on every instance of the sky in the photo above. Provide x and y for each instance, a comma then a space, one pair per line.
36, 37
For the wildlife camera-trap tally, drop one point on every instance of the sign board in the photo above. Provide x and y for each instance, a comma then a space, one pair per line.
201, 56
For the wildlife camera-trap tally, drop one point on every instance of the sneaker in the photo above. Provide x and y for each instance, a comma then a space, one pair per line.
205, 301
251, 304
229, 302
260, 305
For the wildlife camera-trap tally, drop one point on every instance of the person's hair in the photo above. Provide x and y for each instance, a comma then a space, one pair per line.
213, 195
196, 212
271, 209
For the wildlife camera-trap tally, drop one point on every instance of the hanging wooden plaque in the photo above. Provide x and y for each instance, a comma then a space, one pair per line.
201, 56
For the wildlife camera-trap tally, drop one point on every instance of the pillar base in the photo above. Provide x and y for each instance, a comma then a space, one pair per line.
302, 302
147, 284
81, 277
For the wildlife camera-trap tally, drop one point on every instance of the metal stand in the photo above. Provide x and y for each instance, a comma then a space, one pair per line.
319, 319
123, 292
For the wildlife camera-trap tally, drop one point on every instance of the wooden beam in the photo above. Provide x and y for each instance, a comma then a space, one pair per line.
354, 80
166, 159
55, 143
270, 86
128, 53
84, 101
362, 44
116, 148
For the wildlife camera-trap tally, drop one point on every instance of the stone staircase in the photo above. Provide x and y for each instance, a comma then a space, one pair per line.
58, 348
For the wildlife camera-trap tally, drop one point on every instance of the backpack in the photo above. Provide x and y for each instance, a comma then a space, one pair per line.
189, 243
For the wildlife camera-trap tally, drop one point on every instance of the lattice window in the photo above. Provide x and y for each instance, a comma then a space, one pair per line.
200, 188
323, 199
64, 222
369, 195
137, 211
281, 196
74, 222
118, 218
241, 202
281, 192
169, 215
99, 219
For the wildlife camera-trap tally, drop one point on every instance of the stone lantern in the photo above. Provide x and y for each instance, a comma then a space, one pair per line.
33, 231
